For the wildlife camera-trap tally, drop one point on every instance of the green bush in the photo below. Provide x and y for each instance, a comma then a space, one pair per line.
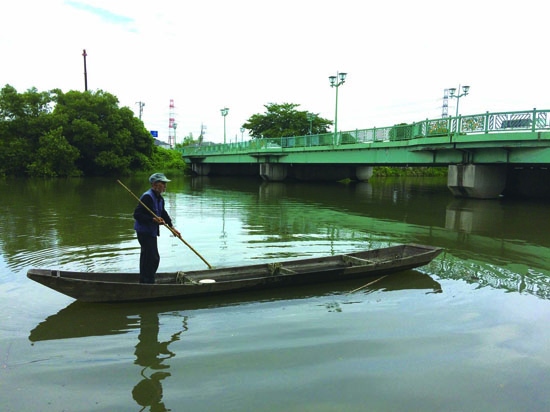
55, 156
74, 133
383, 171
164, 159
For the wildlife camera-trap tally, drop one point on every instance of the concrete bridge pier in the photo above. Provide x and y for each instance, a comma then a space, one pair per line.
477, 181
363, 173
274, 172
200, 169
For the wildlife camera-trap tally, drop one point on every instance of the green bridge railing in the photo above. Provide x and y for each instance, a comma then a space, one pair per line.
500, 122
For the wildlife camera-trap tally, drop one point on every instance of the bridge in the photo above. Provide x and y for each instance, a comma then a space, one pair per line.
487, 154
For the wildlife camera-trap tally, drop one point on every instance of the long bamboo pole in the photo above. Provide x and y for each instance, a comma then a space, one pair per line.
169, 228
368, 284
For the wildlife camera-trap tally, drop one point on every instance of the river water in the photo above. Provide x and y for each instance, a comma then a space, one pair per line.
467, 332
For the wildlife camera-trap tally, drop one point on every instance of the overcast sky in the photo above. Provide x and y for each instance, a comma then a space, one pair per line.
243, 54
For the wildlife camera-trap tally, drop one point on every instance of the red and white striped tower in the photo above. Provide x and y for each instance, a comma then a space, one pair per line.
171, 129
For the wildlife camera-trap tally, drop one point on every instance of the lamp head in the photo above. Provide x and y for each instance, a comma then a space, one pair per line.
465, 89
343, 77
224, 111
452, 92
332, 80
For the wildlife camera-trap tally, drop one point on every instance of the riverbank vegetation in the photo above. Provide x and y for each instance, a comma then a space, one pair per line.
74, 134
56, 134
383, 171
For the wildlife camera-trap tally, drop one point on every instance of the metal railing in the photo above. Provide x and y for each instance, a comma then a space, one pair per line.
499, 122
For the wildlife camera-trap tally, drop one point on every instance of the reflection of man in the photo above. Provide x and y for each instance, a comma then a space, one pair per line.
147, 226
148, 392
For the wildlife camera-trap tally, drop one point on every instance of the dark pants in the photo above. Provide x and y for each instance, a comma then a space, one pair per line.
149, 259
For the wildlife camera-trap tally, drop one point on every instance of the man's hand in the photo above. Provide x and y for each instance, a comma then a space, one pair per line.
175, 231
158, 220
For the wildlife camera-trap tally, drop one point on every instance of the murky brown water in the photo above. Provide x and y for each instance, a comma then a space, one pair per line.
467, 332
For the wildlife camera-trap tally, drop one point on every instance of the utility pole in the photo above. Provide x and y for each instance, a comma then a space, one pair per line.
85, 72
140, 104
203, 132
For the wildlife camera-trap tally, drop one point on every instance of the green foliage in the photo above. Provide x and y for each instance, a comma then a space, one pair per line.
164, 159
283, 120
110, 139
15, 155
29, 104
55, 156
348, 138
23, 119
67, 134
383, 171
189, 140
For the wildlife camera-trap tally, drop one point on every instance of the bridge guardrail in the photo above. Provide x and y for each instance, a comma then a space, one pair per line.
498, 122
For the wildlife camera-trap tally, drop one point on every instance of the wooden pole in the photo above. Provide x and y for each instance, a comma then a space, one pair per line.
368, 284
169, 228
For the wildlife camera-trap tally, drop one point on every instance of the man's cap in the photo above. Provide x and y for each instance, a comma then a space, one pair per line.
158, 177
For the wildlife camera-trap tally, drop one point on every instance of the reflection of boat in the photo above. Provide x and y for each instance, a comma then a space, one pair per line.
80, 319
117, 287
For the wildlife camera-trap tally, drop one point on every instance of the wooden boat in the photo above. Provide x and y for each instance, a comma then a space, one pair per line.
120, 287
82, 319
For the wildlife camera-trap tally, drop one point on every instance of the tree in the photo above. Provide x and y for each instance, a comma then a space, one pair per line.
66, 134
111, 140
283, 120
187, 140
24, 118
164, 159
55, 156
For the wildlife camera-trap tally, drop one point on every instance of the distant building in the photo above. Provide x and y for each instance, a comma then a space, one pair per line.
162, 144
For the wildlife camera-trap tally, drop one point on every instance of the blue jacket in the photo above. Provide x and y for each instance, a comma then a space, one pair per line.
144, 219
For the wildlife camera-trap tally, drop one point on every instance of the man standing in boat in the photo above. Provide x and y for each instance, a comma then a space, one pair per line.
147, 226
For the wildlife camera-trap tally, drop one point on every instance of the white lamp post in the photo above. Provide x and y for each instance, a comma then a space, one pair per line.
224, 111
337, 81
462, 91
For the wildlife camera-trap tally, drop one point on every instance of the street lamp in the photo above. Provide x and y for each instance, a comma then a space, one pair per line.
242, 133
337, 81
310, 117
224, 111
462, 91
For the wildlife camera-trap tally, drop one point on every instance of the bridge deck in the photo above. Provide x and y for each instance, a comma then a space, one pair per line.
504, 137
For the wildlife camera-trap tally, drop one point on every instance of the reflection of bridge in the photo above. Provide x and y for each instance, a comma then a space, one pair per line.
487, 242
485, 153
